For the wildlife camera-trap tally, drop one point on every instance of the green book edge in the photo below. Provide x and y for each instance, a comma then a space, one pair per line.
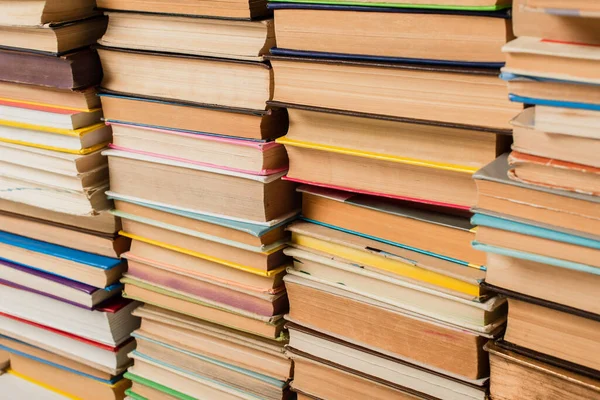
134, 395
156, 386
393, 5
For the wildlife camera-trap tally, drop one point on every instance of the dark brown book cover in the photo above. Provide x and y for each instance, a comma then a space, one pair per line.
75, 70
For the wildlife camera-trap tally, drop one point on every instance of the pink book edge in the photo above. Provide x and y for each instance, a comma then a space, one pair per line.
264, 172
210, 278
200, 136
39, 107
415, 200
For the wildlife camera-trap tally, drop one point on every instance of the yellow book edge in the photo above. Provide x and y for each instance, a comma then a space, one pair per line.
192, 253
387, 264
59, 131
42, 385
378, 156
81, 152
46, 105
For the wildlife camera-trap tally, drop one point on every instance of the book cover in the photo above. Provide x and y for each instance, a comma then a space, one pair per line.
53, 250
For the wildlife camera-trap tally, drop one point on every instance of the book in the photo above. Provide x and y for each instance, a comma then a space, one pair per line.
255, 194
242, 84
188, 117
95, 270
566, 27
50, 117
559, 334
101, 222
71, 381
79, 100
326, 380
240, 40
210, 247
250, 382
81, 141
54, 37
577, 121
484, 316
552, 173
11, 345
87, 240
530, 140
513, 374
109, 324
499, 194
110, 359
15, 384
142, 389
546, 59
77, 70
261, 303
529, 238
364, 87
349, 32
576, 7
565, 286
427, 142
54, 286
21, 13
246, 156
218, 342
389, 259
270, 327
412, 225
250, 234
473, 5
406, 336
172, 260
239, 9
383, 368
354, 170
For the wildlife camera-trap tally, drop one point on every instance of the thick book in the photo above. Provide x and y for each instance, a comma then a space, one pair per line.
418, 340
54, 38
469, 96
19, 112
390, 259
231, 346
77, 100
160, 113
564, 27
256, 235
20, 13
95, 270
242, 9
412, 227
381, 367
76, 70
548, 59
529, 139
242, 84
512, 375
251, 157
354, 170
499, 194
537, 240
242, 40
195, 187
391, 34
556, 174
572, 288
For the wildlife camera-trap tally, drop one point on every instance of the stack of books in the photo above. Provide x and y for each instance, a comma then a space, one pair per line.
392, 109
196, 180
62, 319
538, 209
